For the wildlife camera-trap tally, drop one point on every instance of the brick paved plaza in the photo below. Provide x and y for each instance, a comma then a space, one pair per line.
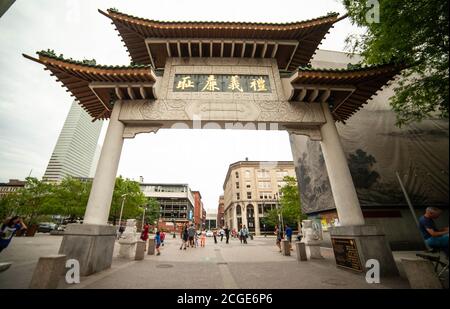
255, 265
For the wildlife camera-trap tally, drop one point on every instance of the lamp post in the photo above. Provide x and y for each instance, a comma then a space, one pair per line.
280, 214
121, 211
173, 221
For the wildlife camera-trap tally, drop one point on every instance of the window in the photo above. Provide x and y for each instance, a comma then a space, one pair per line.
264, 184
282, 174
249, 195
237, 184
248, 185
260, 208
236, 174
238, 196
247, 174
263, 174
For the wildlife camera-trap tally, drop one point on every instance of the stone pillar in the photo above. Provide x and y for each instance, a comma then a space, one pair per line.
97, 210
234, 219
48, 272
257, 225
244, 216
342, 187
92, 243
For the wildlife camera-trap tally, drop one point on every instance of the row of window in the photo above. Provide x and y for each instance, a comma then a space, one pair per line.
262, 208
262, 196
261, 184
262, 174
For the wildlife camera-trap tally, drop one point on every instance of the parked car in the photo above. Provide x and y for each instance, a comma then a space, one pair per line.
46, 227
209, 233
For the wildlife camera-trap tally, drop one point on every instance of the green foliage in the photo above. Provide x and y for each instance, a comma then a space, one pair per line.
412, 33
33, 200
70, 197
152, 211
289, 208
130, 193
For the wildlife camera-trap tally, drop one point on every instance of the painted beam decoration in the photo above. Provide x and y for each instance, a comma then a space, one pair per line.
221, 83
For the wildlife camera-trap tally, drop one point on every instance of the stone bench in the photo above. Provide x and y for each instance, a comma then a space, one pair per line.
48, 272
420, 274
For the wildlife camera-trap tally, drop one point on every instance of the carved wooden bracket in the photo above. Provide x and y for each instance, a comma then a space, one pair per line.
131, 131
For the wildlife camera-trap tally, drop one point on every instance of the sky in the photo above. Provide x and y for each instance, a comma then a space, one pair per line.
33, 106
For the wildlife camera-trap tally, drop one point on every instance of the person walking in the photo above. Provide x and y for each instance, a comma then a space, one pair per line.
203, 238
288, 232
243, 234
191, 235
279, 234
196, 237
158, 242
184, 237
163, 236
222, 233
9, 229
227, 234
215, 236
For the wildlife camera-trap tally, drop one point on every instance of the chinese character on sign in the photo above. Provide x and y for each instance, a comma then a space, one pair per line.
235, 84
258, 84
185, 82
211, 84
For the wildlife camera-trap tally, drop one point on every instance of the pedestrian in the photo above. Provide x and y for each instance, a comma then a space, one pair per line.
222, 233
279, 234
203, 238
121, 230
191, 235
227, 234
196, 237
163, 236
288, 232
9, 229
215, 236
158, 242
184, 237
144, 234
243, 233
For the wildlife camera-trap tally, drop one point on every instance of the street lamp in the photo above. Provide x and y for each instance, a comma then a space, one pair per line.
173, 221
121, 211
280, 214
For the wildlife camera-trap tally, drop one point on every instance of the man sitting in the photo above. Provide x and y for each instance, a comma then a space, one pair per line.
434, 237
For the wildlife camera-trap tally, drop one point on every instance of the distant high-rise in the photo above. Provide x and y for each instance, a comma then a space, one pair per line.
76, 147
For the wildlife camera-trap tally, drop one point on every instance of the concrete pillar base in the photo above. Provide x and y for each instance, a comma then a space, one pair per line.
127, 249
151, 246
92, 245
48, 272
301, 251
354, 245
285, 247
140, 250
314, 251
420, 274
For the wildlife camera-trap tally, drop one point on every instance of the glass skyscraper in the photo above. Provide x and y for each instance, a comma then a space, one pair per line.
76, 148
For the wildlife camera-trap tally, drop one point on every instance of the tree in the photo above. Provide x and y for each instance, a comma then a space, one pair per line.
289, 207
70, 197
33, 200
414, 34
152, 210
128, 191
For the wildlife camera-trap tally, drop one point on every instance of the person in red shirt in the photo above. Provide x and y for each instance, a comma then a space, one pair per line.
163, 236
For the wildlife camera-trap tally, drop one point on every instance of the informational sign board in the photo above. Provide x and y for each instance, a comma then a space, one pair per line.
346, 253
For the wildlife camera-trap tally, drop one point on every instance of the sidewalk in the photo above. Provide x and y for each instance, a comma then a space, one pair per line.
257, 265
